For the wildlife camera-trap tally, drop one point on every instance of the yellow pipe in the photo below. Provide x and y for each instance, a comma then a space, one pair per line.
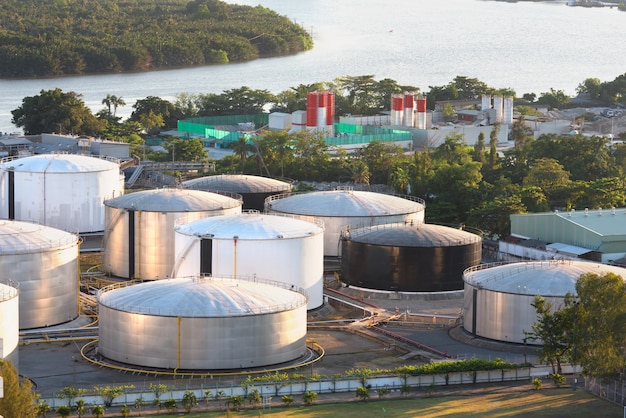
320, 350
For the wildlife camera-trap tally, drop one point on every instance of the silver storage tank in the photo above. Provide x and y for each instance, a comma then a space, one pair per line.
346, 207
9, 321
253, 189
407, 257
44, 262
63, 191
274, 247
139, 234
206, 323
498, 297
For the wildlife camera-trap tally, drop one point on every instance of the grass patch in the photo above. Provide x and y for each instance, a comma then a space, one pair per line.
518, 402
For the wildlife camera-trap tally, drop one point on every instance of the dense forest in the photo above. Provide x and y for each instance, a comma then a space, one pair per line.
61, 37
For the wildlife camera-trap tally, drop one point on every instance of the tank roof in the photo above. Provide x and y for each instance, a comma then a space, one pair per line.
412, 235
238, 183
251, 226
545, 278
173, 200
340, 203
20, 237
60, 163
203, 297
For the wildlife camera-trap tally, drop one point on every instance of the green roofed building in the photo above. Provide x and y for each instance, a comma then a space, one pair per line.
601, 231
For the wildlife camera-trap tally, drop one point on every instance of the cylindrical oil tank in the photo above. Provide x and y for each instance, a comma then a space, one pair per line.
408, 258
139, 234
9, 321
253, 189
498, 297
63, 191
274, 247
205, 323
44, 261
346, 207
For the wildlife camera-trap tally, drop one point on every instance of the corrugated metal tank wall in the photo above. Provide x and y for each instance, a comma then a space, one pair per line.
45, 264
274, 247
407, 269
63, 195
140, 244
202, 323
9, 322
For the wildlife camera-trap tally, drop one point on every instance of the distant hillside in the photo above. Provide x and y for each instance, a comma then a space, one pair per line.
41, 38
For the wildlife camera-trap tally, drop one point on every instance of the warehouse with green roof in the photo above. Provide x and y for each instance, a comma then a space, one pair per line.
601, 231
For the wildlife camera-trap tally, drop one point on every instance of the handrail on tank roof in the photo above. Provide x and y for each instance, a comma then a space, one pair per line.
350, 231
254, 212
10, 290
205, 279
503, 273
348, 189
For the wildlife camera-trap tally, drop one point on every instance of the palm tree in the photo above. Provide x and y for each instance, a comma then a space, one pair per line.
189, 401
241, 148
97, 411
81, 408
360, 173
400, 180
117, 102
42, 409
113, 101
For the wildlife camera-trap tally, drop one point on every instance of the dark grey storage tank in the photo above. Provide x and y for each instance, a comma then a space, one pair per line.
253, 189
408, 257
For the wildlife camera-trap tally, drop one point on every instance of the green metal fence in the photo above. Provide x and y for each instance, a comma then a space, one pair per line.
345, 134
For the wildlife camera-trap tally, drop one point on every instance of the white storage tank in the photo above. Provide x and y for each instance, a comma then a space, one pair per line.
139, 235
63, 191
253, 189
346, 207
44, 262
202, 323
278, 248
498, 298
9, 321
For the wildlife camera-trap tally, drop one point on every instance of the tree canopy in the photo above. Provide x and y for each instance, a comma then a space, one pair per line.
19, 397
56, 111
58, 37
588, 329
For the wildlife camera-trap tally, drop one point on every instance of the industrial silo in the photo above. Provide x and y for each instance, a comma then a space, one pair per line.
9, 321
408, 257
253, 189
63, 191
346, 207
498, 298
44, 262
139, 235
205, 323
279, 248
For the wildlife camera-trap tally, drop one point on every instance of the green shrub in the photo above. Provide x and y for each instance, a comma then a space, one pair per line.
537, 383
558, 379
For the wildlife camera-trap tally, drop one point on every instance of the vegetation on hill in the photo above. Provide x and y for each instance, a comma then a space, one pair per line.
59, 37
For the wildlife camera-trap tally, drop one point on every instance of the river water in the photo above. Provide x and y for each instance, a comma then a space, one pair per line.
528, 46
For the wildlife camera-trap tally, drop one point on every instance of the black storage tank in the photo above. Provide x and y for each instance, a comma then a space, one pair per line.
408, 257
253, 189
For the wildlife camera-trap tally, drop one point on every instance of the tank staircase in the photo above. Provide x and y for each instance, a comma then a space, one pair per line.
135, 176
